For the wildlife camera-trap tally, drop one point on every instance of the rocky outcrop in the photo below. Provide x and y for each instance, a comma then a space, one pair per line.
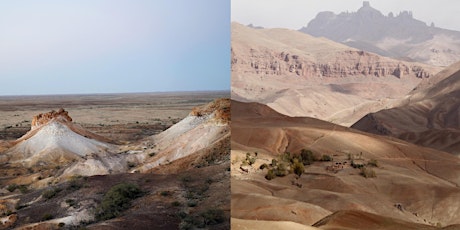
44, 118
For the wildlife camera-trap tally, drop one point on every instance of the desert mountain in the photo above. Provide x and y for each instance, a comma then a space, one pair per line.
300, 75
411, 186
428, 116
400, 36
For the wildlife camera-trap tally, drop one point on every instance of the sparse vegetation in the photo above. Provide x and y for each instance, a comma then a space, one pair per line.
117, 199
23, 188
50, 193
176, 203
270, 175
290, 163
71, 202
355, 165
47, 216
131, 164
367, 172
298, 168
165, 193
74, 184
12, 187
249, 160
373, 162
212, 217
307, 156
326, 158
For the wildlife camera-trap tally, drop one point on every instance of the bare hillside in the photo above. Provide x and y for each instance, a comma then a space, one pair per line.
300, 75
428, 116
384, 182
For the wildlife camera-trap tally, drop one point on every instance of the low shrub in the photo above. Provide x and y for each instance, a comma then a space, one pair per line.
367, 172
47, 216
12, 187
48, 194
270, 174
326, 158
116, 200
307, 156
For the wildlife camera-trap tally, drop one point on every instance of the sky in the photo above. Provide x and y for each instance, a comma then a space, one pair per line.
294, 14
113, 46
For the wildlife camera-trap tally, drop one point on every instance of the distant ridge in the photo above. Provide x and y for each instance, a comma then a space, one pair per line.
398, 36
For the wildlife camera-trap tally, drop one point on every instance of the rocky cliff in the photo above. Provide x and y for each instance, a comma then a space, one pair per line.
344, 64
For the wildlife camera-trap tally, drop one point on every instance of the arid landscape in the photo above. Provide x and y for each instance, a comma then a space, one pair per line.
115, 161
349, 133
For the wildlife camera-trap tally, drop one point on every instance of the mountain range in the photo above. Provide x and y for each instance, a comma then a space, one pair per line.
398, 36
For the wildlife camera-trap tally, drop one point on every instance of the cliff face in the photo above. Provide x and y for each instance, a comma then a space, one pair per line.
344, 64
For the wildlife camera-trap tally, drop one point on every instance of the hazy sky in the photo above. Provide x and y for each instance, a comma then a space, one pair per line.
295, 14
105, 46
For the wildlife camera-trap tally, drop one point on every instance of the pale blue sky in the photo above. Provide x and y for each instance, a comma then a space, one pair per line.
106, 46
294, 14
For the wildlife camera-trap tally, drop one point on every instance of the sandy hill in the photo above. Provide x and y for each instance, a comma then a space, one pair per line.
428, 116
300, 75
413, 185
398, 36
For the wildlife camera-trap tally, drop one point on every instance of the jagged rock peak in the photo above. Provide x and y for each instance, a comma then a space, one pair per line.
44, 118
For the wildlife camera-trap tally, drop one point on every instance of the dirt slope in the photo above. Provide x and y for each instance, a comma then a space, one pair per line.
428, 116
412, 183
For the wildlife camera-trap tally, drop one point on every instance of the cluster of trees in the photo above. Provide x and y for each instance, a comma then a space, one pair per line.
292, 163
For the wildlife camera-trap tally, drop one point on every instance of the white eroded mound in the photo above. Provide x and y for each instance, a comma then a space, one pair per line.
57, 136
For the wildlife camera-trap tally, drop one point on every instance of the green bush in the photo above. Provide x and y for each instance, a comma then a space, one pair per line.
307, 157
281, 170
270, 174
116, 200
326, 158
298, 168
248, 160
